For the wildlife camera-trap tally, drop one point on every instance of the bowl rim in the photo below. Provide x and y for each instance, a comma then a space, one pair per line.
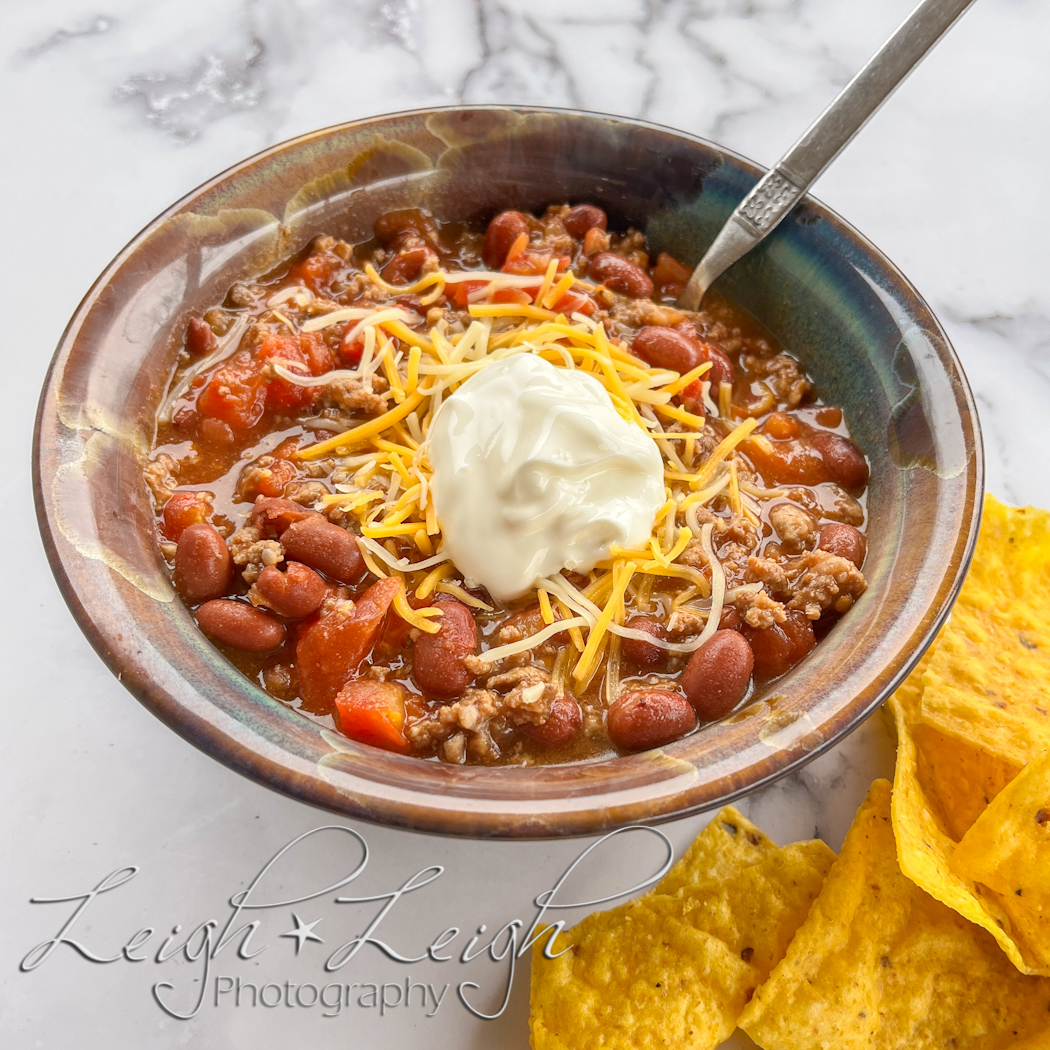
513, 823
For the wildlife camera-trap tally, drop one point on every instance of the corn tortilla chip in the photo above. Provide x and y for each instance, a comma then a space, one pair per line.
1007, 851
986, 683
674, 969
636, 978
940, 786
728, 843
881, 965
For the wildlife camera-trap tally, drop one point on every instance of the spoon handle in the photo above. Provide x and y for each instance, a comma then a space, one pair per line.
784, 185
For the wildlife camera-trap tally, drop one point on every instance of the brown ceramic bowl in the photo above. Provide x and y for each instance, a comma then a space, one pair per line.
828, 295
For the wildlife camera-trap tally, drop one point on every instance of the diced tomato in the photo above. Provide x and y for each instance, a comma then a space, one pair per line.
518, 296
373, 713
669, 275
236, 394
829, 416
184, 509
286, 449
575, 303
274, 479
319, 357
531, 262
330, 649
279, 392
458, 293
351, 354
394, 635
780, 426
691, 398
315, 271
785, 462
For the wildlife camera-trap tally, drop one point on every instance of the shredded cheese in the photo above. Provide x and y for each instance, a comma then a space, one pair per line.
418, 618
388, 454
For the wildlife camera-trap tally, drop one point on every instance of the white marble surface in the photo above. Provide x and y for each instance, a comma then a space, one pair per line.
115, 108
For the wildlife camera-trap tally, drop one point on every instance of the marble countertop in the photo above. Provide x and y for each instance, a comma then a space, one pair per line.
115, 108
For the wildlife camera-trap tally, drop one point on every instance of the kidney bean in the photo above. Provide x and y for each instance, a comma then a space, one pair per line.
842, 459
215, 432
199, 337
718, 673
294, 593
844, 541
667, 348
645, 718
240, 626
203, 566
437, 659
394, 228
778, 648
408, 264
730, 619
271, 515
562, 724
722, 370
502, 232
373, 712
621, 275
644, 654
584, 217
316, 542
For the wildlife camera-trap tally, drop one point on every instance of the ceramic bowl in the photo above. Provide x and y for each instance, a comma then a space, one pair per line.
825, 292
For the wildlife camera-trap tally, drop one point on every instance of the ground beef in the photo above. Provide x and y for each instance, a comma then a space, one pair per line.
631, 246
553, 235
465, 727
355, 397
459, 728
737, 529
529, 697
637, 313
827, 581
783, 375
760, 610
160, 476
252, 553
684, 622
306, 493
772, 575
734, 558
796, 527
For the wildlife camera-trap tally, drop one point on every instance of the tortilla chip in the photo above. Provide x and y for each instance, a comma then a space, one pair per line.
881, 965
1007, 852
728, 843
987, 680
940, 787
636, 978
674, 969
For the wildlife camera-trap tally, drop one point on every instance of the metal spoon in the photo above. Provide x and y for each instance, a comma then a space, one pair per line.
785, 184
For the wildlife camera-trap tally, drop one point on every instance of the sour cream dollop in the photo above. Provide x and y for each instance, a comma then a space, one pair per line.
534, 471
